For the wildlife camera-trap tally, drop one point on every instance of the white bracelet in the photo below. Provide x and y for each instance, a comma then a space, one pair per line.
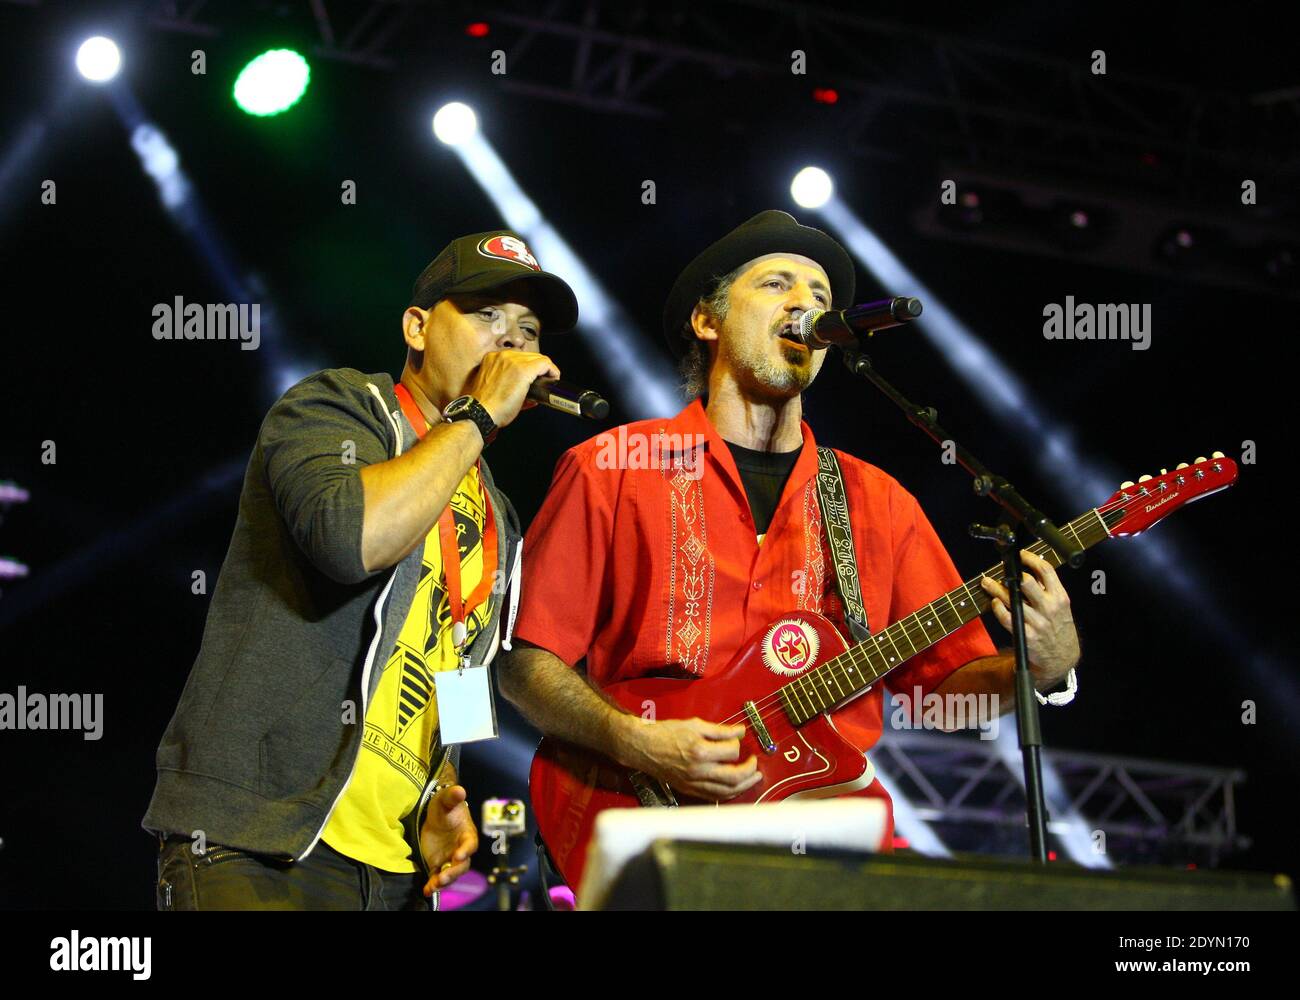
1061, 697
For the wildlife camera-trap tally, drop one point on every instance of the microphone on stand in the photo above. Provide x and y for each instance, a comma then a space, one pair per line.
569, 398
819, 328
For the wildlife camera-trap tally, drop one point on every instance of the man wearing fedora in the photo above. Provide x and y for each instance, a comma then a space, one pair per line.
674, 567
304, 766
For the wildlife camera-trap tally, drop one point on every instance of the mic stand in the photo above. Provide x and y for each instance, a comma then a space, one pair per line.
1019, 511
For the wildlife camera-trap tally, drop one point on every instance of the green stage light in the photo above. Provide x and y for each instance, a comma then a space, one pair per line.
272, 83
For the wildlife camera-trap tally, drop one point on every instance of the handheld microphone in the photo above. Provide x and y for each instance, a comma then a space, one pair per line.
818, 328
569, 398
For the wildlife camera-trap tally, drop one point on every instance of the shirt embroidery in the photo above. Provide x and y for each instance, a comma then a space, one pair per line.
814, 561
691, 570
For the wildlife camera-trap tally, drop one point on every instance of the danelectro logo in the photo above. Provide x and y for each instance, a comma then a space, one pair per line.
1163, 500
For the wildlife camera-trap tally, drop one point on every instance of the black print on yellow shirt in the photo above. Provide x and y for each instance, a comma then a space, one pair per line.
417, 679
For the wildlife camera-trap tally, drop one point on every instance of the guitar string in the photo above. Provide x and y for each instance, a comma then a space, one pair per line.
772, 701
770, 707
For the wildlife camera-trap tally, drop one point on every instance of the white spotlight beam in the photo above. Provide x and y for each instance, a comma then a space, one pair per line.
1067, 824
644, 381
1080, 480
160, 160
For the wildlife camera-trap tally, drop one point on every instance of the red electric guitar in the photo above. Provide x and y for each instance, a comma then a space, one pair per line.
790, 728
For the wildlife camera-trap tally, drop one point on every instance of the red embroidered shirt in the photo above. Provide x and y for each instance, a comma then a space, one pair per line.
638, 568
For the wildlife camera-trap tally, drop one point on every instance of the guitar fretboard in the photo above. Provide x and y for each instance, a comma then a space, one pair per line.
845, 676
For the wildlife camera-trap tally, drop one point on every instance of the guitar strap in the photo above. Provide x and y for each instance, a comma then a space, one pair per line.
834, 503
835, 518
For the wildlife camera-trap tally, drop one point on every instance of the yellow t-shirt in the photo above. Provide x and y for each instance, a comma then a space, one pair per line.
402, 718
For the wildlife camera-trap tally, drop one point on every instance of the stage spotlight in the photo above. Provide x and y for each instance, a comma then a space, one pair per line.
1182, 245
975, 207
1080, 227
272, 83
811, 187
455, 123
99, 59
1006, 213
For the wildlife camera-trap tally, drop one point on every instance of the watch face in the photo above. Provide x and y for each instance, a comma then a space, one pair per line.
458, 405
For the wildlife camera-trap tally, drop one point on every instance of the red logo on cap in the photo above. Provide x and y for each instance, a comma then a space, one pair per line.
509, 248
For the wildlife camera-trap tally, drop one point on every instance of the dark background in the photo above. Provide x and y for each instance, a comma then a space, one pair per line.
152, 436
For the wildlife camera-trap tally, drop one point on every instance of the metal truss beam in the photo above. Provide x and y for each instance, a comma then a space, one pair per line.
1148, 810
952, 97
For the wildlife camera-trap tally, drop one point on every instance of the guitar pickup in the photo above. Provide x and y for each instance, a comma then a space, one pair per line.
760, 730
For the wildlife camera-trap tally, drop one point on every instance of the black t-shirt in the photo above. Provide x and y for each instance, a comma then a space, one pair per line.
764, 474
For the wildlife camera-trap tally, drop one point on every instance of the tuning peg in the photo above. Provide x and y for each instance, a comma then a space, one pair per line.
1126, 485
1143, 479
1164, 472
1181, 465
1216, 454
1201, 459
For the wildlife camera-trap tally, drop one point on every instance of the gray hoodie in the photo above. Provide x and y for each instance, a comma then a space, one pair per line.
257, 753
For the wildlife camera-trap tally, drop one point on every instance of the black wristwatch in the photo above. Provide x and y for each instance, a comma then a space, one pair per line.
469, 408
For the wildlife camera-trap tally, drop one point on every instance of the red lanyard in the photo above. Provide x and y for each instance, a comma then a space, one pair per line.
450, 542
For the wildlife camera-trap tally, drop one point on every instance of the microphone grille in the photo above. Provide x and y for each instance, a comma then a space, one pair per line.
806, 322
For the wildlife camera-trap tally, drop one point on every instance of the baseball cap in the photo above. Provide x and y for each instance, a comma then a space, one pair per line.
481, 262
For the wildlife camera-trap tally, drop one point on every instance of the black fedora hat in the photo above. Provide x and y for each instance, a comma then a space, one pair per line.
768, 232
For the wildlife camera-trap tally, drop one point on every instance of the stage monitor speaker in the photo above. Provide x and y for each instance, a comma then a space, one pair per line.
683, 875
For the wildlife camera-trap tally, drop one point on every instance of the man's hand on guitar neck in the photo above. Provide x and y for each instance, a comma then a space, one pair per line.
1050, 635
691, 755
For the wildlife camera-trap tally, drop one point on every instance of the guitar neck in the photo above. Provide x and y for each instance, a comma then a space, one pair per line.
844, 677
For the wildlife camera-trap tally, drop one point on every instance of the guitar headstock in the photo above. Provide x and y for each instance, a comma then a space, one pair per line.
1137, 506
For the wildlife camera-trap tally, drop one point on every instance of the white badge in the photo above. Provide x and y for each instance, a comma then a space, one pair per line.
466, 709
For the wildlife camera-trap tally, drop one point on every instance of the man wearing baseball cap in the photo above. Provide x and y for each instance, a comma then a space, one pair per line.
304, 767
684, 565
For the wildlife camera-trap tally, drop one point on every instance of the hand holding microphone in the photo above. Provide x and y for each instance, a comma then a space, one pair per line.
506, 380
503, 379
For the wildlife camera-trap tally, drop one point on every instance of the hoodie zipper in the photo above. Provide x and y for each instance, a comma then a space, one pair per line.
365, 679
488, 658
374, 643
428, 785
365, 692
